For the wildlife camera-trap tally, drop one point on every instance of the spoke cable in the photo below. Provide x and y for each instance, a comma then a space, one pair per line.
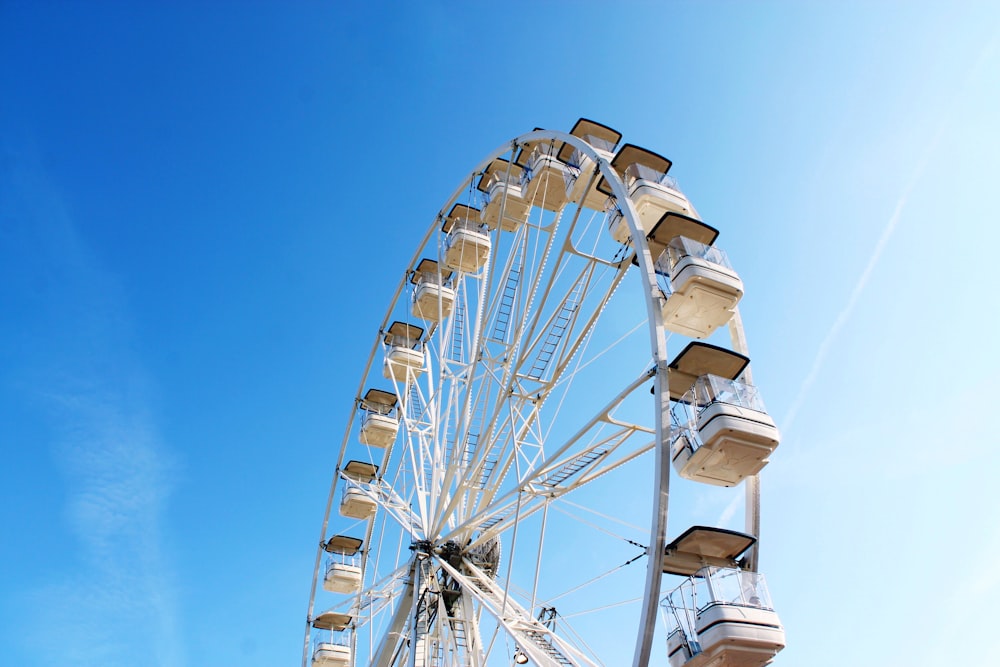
597, 609
602, 515
549, 601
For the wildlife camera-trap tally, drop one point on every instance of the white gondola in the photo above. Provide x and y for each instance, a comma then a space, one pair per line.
342, 577
721, 432
545, 175
357, 501
505, 205
467, 246
343, 573
701, 287
433, 297
404, 353
582, 185
378, 430
652, 191
722, 616
331, 654
356, 504
332, 640
379, 418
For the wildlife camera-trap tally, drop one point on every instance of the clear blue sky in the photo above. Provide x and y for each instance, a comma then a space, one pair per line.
204, 208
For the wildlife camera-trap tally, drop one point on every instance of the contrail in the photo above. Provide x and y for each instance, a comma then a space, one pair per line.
887, 231
848, 309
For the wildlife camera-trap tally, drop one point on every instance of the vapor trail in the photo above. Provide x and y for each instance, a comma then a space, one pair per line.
845, 313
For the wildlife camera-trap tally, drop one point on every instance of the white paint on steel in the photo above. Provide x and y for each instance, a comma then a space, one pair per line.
434, 509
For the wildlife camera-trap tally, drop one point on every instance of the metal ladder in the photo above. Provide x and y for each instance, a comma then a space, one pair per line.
421, 623
574, 465
540, 640
414, 406
492, 456
471, 443
507, 301
556, 330
457, 352
537, 637
498, 517
458, 632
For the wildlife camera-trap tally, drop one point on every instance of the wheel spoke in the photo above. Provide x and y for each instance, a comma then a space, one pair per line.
554, 472
505, 354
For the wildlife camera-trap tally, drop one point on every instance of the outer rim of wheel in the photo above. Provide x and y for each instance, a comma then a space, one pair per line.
658, 348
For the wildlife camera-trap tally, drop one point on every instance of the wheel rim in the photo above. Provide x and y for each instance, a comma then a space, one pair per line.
527, 418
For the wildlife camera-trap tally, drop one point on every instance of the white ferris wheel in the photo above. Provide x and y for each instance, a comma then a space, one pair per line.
501, 489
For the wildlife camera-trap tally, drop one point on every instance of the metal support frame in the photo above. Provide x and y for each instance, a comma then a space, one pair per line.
653, 299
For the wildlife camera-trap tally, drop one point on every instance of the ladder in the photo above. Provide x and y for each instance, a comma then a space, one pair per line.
457, 351
471, 443
574, 465
556, 330
458, 632
414, 406
529, 630
492, 457
507, 301
498, 517
421, 624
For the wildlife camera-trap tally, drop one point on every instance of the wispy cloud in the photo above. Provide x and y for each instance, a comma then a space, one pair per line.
729, 511
118, 588
114, 601
887, 231
845, 313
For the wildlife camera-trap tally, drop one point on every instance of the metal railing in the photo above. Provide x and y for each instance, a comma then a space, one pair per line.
640, 172
334, 637
340, 558
712, 586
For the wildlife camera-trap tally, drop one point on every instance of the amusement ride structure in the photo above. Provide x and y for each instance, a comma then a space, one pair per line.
509, 431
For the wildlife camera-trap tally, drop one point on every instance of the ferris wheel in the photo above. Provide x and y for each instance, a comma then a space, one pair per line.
501, 489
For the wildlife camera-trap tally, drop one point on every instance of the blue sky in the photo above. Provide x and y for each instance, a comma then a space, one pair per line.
204, 210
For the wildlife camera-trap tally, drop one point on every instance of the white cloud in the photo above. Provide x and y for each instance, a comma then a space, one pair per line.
968, 84
118, 586
113, 600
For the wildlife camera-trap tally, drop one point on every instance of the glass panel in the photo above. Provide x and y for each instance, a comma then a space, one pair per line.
663, 266
427, 278
376, 409
543, 149
466, 225
681, 246
335, 637
636, 172
353, 487
404, 341
710, 389
542, 152
599, 143
680, 607
603, 145
498, 189
710, 586
715, 389
735, 587
342, 559
499, 183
